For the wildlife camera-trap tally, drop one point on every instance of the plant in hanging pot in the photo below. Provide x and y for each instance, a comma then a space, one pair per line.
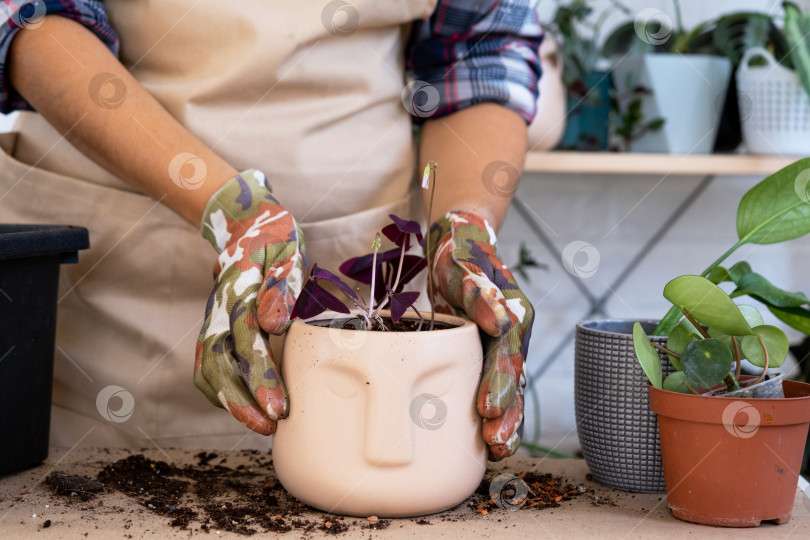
662, 70
617, 430
383, 418
774, 80
733, 35
732, 447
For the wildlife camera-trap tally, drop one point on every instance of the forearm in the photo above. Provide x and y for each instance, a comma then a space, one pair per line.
480, 152
52, 67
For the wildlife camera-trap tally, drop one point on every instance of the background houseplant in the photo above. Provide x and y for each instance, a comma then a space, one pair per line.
775, 210
774, 81
650, 65
720, 469
587, 86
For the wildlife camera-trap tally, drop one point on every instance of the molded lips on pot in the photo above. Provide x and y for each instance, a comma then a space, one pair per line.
617, 430
381, 423
729, 461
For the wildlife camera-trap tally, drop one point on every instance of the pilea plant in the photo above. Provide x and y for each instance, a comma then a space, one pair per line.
707, 347
385, 272
708, 334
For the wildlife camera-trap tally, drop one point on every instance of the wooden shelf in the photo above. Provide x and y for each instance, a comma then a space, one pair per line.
653, 164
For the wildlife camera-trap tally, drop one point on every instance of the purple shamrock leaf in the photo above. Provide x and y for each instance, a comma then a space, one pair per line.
411, 266
359, 268
314, 300
400, 302
400, 231
322, 273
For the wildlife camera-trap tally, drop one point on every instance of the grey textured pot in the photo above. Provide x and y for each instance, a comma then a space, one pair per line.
617, 430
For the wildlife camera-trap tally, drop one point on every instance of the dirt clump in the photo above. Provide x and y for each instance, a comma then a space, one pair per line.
207, 496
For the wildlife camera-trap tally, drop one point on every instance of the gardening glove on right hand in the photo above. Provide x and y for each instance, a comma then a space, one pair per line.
472, 280
258, 276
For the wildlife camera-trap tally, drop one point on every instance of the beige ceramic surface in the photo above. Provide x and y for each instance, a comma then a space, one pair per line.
379, 413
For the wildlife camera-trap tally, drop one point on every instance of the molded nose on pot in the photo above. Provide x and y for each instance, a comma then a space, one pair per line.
388, 436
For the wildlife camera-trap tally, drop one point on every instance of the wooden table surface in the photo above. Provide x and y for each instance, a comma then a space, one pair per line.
27, 506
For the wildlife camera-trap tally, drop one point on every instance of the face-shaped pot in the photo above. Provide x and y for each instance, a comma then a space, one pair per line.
381, 423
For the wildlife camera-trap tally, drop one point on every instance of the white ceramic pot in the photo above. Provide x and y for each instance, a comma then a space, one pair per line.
381, 423
688, 91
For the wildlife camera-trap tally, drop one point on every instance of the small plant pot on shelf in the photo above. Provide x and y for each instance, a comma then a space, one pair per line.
588, 114
687, 91
732, 461
381, 423
30, 256
774, 108
617, 430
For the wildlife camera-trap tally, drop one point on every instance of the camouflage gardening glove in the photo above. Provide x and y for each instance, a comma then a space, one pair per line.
473, 281
258, 277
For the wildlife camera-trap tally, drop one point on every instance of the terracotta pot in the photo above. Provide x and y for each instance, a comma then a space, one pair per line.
732, 462
381, 423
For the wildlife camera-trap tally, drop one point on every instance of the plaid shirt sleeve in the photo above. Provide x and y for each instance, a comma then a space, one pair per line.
473, 52
16, 15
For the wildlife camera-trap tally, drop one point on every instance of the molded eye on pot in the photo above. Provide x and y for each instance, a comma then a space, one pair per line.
437, 382
343, 382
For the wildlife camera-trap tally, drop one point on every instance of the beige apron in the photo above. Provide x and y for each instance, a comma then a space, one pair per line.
267, 84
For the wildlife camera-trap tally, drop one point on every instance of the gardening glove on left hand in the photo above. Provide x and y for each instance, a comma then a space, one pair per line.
472, 280
259, 274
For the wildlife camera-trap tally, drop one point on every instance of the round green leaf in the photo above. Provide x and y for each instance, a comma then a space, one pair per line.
776, 342
752, 317
706, 362
678, 339
647, 357
708, 304
751, 314
727, 341
676, 382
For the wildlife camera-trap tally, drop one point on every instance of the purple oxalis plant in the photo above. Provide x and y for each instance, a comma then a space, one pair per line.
386, 274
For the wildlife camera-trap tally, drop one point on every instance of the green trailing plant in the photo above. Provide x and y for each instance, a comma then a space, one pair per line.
579, 38
577, 29
525, 261
735, 33
708, 333
796, 30
625, 40
775, 210
629, 124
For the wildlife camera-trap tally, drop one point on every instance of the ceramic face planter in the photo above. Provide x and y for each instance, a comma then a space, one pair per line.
381, 423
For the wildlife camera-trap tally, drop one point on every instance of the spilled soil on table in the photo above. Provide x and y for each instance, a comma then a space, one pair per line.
210, 496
